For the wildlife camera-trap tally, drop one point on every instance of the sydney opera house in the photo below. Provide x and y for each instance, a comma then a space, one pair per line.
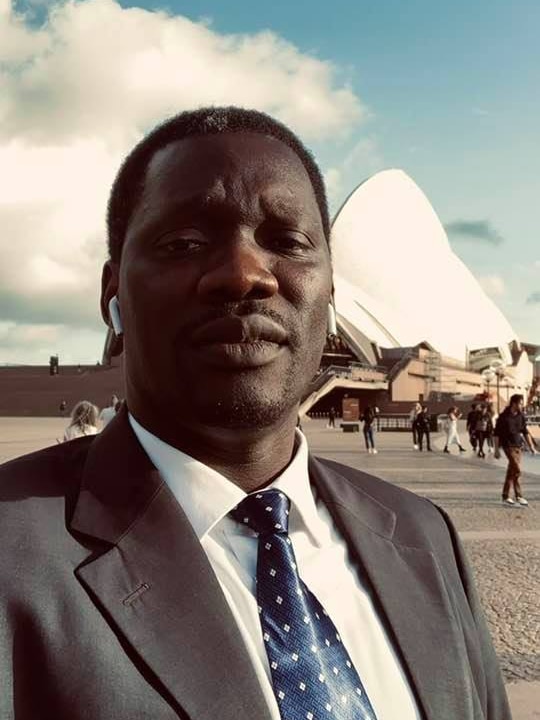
412, 321
416, 321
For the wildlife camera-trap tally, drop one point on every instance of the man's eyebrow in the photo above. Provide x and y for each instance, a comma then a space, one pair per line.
281, 207
199, 206
201, 201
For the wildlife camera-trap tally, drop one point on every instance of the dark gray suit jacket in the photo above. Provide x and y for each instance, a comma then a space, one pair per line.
109, 609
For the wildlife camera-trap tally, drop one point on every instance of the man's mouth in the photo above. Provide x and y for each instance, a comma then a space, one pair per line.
240, 341
240, 329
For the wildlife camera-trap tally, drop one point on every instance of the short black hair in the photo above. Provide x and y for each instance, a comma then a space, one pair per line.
129, 182
515, 399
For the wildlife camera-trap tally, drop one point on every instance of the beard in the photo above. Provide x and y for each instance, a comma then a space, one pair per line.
181, 390
249, 407
252, 398
248, 401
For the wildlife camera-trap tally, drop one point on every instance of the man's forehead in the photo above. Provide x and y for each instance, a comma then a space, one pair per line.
203, 157
210, 170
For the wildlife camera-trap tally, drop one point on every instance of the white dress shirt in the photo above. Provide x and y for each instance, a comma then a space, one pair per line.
323, 563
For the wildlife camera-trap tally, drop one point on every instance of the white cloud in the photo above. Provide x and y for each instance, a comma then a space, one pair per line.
78, 92
492, 285
333, 179
362, 161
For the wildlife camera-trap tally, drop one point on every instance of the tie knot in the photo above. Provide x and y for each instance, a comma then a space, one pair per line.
265, 512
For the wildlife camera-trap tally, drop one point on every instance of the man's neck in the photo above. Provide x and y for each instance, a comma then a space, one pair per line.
250, 458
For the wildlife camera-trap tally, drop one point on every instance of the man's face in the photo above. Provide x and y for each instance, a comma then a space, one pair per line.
517, 406
224, 282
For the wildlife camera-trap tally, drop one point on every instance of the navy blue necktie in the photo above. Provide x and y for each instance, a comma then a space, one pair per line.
312, 673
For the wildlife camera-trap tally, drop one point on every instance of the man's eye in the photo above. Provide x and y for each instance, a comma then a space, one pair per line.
178, 245
294, 243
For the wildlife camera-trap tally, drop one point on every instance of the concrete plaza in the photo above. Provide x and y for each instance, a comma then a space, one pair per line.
503, 543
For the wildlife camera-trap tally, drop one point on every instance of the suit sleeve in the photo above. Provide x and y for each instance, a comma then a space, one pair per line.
495, 699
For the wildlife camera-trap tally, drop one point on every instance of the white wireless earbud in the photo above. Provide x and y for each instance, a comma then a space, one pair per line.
114, 314
332, 325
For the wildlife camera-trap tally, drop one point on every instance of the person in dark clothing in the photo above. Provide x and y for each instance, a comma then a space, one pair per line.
332, 418
412, 417
510, 431
423, 428
472, 417
368, 416
483, 430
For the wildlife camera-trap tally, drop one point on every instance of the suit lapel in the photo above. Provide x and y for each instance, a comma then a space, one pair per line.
156, 587
409, 590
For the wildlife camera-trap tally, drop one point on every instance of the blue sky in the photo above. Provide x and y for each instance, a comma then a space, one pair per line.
446, 91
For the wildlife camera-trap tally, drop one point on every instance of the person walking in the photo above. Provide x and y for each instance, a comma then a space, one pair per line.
472, 417
423, 428
417, 408
452, 435
368, 416
332, 418
492, 413
510, 432
483, 429
83, 421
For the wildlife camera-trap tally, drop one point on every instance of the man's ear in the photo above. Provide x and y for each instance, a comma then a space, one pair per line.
109, 289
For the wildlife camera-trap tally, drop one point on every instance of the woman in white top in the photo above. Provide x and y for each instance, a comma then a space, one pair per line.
452, 435
83, 421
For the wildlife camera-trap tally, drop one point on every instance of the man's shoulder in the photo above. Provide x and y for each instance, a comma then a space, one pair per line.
411, 510
45, 473
418, 522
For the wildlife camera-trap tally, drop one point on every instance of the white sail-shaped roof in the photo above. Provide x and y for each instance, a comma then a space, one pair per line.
398, 280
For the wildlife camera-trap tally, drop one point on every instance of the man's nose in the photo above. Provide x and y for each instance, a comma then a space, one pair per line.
241, 271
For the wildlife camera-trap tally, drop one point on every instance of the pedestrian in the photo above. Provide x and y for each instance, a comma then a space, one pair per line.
472, 417
510, 432
483, 429
417, 408
83, 421
423, 428
107, 414
189, 561
368, 416
332, 418
492, 412
63, 407
452, 435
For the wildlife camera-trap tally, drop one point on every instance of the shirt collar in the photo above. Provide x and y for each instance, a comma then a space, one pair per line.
206, 496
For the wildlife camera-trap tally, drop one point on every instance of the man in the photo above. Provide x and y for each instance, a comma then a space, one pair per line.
107, 414
423, 425
510, 431
472, 418
415, 410
130, 581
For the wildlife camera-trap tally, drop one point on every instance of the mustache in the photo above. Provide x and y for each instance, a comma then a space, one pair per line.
238, 309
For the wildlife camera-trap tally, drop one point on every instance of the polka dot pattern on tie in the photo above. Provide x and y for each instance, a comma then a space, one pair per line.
312, 673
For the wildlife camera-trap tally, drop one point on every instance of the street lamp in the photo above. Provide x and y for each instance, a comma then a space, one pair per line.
488, 375
506, 383
496, 371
